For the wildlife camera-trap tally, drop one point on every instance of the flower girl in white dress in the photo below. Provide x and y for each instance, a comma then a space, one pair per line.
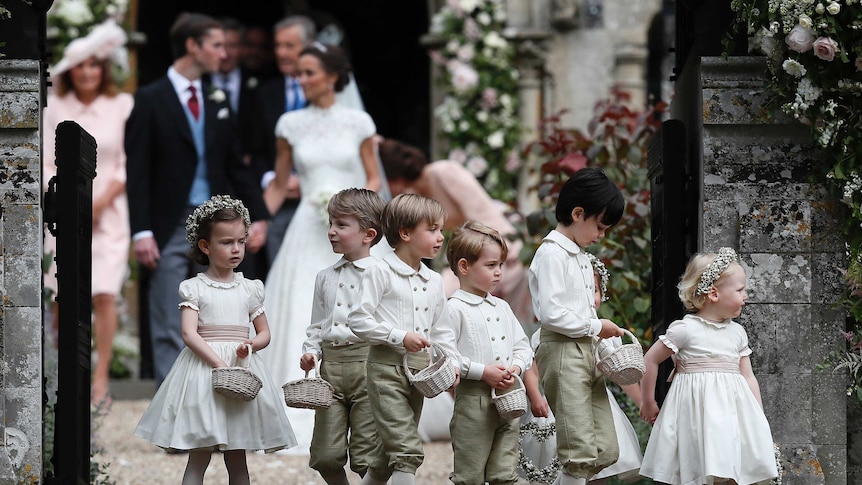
538, 458
711, 428
217, 306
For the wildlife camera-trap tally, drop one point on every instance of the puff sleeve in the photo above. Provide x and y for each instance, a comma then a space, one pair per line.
255, 300
744, 349
190, 295
676, 337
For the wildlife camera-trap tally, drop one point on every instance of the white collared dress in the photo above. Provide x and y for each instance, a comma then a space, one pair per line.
185, 413
710, 425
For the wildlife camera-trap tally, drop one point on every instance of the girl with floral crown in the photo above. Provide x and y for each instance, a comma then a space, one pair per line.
218, 308
711, 428
537, 427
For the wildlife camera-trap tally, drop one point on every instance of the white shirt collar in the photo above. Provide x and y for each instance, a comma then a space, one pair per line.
471, 299
362, 263
181, 85
399, 266
564, 242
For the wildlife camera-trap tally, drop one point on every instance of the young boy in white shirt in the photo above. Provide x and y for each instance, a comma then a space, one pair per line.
561, 285
401, 301
491, 350
354, 226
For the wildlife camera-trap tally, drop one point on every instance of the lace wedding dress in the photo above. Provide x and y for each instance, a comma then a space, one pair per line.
325, 146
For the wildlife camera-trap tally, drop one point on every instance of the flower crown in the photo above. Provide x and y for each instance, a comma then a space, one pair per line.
713, 272
206, 210
600, 268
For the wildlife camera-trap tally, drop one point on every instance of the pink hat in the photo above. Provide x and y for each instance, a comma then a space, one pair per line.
105, 41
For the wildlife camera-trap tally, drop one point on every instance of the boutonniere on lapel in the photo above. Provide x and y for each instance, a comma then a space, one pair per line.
217, 95
223, 114
251, 83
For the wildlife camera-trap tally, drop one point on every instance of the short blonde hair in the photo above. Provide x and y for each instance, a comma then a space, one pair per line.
407, 211
366, 206
468, 240
688, 283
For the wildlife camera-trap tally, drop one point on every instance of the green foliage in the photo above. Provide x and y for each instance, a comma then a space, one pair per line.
616, 139
479, 113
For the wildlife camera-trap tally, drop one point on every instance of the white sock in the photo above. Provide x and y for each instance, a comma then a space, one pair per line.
566, 479
403, 478
369, 480
337, 478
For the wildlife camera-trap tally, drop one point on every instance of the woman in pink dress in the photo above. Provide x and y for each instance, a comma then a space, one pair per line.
449, 183
85, 92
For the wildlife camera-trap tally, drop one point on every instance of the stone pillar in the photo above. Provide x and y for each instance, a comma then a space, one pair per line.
530, 62
20, 272
757, 196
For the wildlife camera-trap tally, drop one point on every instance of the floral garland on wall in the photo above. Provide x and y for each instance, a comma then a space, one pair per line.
69, 19
814, 54
479, 113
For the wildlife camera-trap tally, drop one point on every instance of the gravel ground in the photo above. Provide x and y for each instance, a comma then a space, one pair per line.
133, 461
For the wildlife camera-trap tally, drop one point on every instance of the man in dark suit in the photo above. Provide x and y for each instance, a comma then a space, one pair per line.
181, 149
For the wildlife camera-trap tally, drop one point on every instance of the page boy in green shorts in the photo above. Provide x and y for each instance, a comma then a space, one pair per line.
401, 301
354, 226
491, 350
561, 285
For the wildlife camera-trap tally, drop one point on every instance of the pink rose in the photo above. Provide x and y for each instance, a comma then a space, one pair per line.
800, 39
825, 48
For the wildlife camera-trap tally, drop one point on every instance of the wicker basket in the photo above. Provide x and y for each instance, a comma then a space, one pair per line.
512, 404
237, 382
309, 393
624, 365
435, 378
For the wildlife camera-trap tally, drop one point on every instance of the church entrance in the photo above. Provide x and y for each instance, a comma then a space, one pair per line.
391, 68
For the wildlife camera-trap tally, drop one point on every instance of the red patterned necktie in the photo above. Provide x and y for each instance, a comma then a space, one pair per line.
194, 107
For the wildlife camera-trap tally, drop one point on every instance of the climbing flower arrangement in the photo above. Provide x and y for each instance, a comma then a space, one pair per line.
814, 53
479, 113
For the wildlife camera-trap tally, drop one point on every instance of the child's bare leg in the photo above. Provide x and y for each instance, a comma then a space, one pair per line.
196, 467
369, 480
237, 469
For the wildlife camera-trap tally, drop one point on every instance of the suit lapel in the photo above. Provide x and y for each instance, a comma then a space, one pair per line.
173, 104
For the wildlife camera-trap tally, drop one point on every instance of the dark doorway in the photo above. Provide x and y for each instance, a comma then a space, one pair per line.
381, 36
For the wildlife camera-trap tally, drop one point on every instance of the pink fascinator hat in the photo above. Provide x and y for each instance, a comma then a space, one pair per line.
105, 41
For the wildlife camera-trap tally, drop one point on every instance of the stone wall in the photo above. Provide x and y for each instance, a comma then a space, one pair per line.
757, 197
20, 273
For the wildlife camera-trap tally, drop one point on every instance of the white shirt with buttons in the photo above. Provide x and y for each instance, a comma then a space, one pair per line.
396, 299
561, 286
482, 331
336, 293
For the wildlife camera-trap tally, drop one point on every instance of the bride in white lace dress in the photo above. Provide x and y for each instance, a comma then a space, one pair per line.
331, 148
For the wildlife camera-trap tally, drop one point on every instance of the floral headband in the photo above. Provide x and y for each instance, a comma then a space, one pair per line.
713, 272
600, 268
206, 210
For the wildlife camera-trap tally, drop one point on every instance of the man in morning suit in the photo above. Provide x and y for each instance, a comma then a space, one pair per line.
181, 149
275, 97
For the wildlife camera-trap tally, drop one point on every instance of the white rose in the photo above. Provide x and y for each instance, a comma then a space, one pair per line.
483, 18
800, 39
820, 9
464, 77
496, 140
793, 68
469, 5
506, 100
458, 155
463, 125
495, 40
453, 46
833, 8
805, 21
482, 116
218, 96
